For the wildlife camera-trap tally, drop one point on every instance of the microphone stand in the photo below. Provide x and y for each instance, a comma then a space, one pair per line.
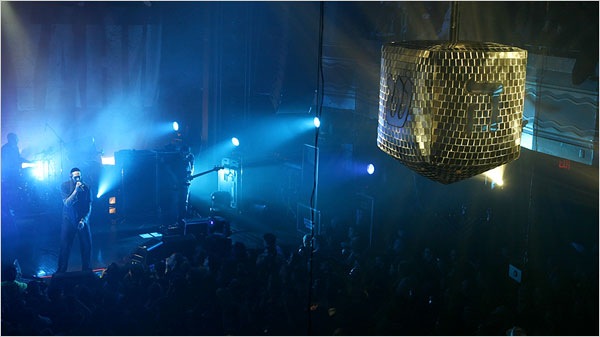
61, 143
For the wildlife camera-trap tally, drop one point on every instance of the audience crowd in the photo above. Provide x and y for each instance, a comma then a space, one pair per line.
334, 284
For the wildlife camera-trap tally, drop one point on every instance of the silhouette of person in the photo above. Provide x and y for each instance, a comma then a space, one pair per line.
11, 172
184, 192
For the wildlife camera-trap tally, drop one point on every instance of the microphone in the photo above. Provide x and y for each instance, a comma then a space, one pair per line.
78, 180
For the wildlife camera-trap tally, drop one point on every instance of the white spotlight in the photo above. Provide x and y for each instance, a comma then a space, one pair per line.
235, 141
175, 126
496, 176
370, 169
317, 122
40, 169
107, 160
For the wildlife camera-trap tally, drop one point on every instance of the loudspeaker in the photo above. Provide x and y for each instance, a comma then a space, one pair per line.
155, 250
139, 188
148, 252
198, 228
151, 184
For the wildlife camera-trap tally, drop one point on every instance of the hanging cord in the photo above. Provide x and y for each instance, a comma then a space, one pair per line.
538, 106
530, 218
313, 196
454, 22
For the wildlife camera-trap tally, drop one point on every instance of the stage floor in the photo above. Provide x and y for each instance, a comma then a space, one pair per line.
33, 239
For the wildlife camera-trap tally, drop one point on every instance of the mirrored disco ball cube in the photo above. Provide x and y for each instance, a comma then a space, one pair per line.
450, 111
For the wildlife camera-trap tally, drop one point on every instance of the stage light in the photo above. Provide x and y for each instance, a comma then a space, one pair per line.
102, 188
317, 122
496, 176
175, 126
107, 160
39, 169
370, 169
235, 141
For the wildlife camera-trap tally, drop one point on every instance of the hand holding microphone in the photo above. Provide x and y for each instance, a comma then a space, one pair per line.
79, 185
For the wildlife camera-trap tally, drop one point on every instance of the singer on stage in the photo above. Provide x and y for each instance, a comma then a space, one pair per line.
77, 207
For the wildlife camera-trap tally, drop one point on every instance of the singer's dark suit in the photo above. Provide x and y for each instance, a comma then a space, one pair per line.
81, 208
